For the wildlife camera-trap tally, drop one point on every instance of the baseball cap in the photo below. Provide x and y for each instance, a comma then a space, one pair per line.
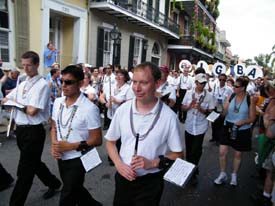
201, 78
164, 68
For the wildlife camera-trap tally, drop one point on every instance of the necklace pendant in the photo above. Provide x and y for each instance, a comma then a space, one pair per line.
236, 110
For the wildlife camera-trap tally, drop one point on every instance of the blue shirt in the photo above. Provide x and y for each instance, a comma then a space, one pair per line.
243, 113
49, 62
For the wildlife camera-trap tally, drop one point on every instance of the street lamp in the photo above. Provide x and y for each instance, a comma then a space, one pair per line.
115, 35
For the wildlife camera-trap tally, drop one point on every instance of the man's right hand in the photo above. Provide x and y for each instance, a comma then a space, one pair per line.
126, 171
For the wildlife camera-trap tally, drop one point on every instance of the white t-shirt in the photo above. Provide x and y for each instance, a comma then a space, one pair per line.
164, 137
167, 88
185, 82
33, 92
196, 122
106, 82
86, 118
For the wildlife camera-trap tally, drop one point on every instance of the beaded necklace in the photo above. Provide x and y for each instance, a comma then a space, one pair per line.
236, 107
29, 84
68, 123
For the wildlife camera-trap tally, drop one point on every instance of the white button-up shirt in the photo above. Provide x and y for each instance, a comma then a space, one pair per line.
196, 122
185, 82
33, 92
164, 137
86, 118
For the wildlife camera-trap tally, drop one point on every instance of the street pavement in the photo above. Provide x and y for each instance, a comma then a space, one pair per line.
100, 181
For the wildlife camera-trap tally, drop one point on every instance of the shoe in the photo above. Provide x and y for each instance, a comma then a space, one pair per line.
233, 181
260, 200
220, 179
7, 185
51, 191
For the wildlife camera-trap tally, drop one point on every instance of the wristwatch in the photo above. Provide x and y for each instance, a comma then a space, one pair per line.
83, 147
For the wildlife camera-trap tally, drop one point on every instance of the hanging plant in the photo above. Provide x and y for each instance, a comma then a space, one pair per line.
174, 5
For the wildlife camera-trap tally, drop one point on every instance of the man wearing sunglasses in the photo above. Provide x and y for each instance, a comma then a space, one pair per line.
76, 128
34, 94
220, 93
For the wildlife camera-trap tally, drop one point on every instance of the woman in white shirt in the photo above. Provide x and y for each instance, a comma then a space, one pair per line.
87, 89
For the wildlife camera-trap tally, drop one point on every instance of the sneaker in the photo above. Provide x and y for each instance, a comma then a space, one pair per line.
220, 179
233, 181
260, 200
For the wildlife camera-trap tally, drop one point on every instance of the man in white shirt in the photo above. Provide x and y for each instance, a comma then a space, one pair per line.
76, 128
34, 94
220, 93
185, 84
150, 137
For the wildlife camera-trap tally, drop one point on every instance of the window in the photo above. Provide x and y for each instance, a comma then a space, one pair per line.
4, 31
107, 48
137, 51
156, 54
186, 24
176, 16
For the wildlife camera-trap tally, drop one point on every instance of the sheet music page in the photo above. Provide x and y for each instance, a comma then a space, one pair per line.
179, 172
90, 160
12, 103
213, 116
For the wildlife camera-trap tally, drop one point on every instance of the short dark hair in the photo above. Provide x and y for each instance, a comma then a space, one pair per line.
223, 75
31, 55
243, 80
155, 71
199, 70
53, 71
75, 70
125, 74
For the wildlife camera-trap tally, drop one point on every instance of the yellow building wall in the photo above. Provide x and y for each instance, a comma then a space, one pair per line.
35, 26
67, 48
80, 3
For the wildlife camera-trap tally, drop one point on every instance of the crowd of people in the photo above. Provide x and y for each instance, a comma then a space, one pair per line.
142, 111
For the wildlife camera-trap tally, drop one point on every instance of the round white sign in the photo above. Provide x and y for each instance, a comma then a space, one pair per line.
253, 72
219, 68
185, 64
203, 64
239, 70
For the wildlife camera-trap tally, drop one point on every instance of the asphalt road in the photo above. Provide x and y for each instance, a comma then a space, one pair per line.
100, 181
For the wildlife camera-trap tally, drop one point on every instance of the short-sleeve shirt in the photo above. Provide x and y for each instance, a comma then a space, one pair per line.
166, 88
165, 135
86, 118
33, 92
196, 122
49, 62
185, 82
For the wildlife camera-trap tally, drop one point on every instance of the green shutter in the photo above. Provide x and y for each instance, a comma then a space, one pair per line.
144, 51
22, 35
99, 51
131, 52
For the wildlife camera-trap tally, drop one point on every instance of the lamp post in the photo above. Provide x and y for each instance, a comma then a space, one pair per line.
115, 35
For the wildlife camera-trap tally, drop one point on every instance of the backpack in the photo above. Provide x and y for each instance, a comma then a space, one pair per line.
247, 98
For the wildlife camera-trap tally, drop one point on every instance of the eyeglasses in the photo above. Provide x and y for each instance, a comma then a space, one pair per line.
68, 82
237, 86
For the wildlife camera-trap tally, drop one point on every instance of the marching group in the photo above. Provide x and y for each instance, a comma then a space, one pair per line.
142, 110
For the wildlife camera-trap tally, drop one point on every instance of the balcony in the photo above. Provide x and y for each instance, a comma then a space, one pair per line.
138, 13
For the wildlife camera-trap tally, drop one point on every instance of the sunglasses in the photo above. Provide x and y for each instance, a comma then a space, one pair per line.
237, 86
203, 83
68, 82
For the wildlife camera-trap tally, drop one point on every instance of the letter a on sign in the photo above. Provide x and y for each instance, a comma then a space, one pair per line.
253, 72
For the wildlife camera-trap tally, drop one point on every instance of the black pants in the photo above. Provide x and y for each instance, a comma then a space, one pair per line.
73, 192
193, 144
181, 114
30, 141
218, 129
5, 177
144, 191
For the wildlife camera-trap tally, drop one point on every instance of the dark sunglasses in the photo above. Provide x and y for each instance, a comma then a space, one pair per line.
68, 82
203, 83
237, 86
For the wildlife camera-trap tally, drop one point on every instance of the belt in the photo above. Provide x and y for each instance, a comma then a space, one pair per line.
29, 125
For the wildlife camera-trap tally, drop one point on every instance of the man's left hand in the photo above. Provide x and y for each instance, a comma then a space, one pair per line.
140, 162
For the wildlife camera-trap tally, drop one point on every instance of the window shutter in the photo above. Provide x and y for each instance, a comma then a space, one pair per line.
150, 9
21, 28
131, 52
144, 51
99, 51
157, 12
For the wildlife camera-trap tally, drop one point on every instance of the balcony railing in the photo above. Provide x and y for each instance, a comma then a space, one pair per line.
143, 10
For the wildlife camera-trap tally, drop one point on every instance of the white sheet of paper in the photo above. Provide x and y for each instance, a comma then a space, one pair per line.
213, 116
179, 172
90, 160
12, 103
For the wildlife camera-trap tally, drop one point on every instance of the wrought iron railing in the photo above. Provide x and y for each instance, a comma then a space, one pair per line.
145, 11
